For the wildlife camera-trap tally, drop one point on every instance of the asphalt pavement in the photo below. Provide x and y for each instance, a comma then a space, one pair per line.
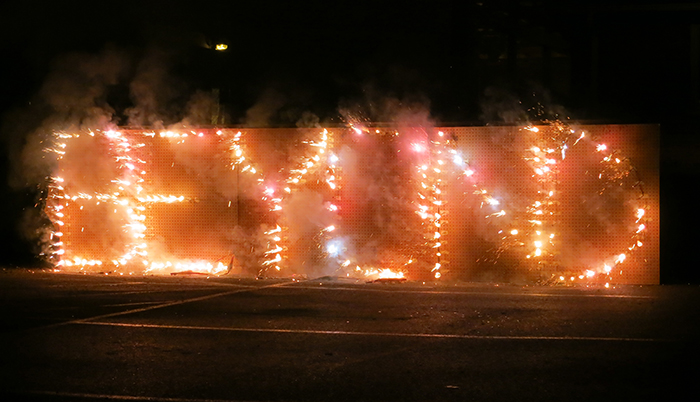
195, 338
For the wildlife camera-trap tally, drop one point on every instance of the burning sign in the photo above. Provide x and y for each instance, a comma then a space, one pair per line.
215, 200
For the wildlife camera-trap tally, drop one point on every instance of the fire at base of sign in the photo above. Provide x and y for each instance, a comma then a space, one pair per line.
163, 202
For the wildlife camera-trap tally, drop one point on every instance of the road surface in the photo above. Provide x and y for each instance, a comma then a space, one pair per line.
190, 339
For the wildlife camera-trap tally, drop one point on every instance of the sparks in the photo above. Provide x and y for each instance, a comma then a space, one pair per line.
132, 199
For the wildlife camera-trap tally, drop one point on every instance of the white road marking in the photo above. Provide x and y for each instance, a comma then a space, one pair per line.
362, 333
120, 397
158, 306
131, 304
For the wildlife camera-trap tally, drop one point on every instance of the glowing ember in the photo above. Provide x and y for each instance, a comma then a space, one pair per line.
387, 273
381, 274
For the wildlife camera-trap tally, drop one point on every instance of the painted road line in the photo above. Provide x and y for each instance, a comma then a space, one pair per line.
75, 395
158, 306
376, 334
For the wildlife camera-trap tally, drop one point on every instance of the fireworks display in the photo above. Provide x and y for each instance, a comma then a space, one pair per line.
605, 187
554, 203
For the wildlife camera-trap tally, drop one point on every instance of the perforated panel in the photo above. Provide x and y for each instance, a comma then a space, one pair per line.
591, 228
186, 194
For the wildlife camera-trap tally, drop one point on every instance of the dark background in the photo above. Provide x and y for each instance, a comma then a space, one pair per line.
468, 62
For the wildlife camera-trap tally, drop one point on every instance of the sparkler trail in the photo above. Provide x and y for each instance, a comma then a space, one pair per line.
534, 230
442, 159
130, 199
317, 160
241, 164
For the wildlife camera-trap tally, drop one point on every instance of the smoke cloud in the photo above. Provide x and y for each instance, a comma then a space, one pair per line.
378, 226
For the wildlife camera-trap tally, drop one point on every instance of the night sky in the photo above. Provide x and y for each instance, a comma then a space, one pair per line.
292, 63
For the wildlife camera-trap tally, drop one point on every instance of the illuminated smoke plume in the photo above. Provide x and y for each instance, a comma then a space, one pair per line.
362, 200
265, 108
153, 91
75, 97
380, 215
